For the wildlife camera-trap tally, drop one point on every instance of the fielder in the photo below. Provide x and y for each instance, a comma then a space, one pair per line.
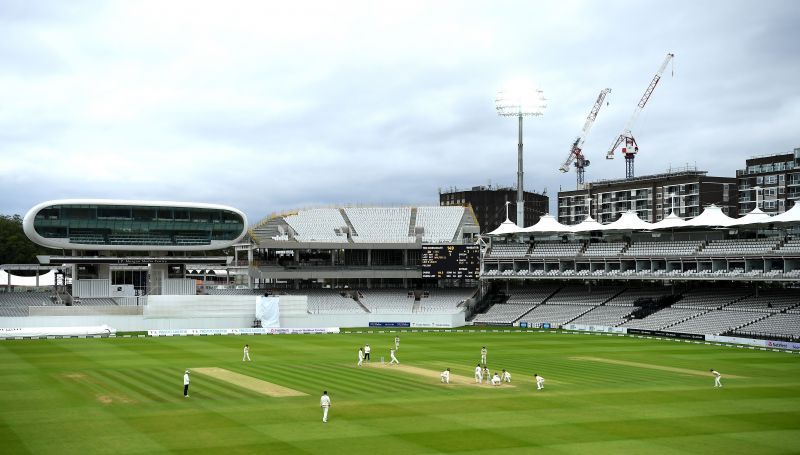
539, 382
394, 359
186, 384
246, 356
446, 376
496, 379
486, 373
325, 404
360, 356
478, 374
506, 376
483, 355
366, 352
397, 343
717, 378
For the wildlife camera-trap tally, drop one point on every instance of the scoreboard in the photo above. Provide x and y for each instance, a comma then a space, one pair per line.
451, 261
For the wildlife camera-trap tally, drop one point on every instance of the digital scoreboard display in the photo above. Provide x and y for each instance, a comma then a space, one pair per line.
451, 261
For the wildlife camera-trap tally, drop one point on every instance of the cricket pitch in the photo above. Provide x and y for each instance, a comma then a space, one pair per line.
249, 382
455, 379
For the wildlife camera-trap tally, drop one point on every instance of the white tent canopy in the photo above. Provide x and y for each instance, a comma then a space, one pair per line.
547, 223
506, 227
756, 216
712, 216
790, 216
588, 225
629, 221
673, 221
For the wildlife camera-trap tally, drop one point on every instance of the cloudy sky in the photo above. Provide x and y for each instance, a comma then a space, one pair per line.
268, 106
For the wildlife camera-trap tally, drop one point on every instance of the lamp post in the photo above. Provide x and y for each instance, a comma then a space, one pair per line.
520, 100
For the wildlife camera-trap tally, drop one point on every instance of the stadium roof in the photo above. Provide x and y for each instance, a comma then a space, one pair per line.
712, 216
547, 223
671, 222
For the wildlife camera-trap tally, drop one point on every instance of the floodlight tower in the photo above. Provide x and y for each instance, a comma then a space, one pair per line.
520, 100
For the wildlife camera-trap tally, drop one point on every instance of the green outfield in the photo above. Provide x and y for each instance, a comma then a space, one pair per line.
604, 394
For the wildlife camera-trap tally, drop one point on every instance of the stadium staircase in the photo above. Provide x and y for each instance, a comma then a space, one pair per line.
592, 308
646, 308
356, 294
489, 299
413, 224
417, 305
536, 306
349, 224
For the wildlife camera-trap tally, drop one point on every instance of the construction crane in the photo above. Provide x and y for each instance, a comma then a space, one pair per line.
630, 148
576, 151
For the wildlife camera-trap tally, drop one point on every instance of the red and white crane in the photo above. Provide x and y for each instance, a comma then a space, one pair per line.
630, 148
576, 151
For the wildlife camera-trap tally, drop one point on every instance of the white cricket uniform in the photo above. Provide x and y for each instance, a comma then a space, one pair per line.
186, 385
246, 355
367, 350
717, 378
325, 403
507, 376
360, 357
487, 375
539, 383
478, 375
397, 343
483, 356
496, 380
394, 359
446, 377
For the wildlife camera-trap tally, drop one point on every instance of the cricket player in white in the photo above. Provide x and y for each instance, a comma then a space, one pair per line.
539, 382
396, 343
483, 355
186, 384
325, 404
366, 352
246, 353
478, 374
506, 376
717, 377
394, 359
360, 356
496, 379
486, 374
446, 376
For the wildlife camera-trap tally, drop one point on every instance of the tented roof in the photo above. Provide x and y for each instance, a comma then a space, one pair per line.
629, 221
547, 223
673, 221
756, 216
506, 227
587, 225
790, 216
712, 216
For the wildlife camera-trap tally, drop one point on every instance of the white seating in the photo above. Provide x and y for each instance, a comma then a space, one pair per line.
380, 224
663, 248
663, 318
782, 325
547, 249
318, 225
440, 224
605, 315
510, 250
603, 249
716, 322
739, 247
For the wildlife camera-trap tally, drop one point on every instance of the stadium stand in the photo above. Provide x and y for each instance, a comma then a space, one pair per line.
703, 299
318, 225
630, 296
387, 300
791, 246
554, 315
605, 315
738, 247
578, 295
328, 301
663, 248
444, 300
544, 249
604, 249
716, 322
782, 325
17, 303
511, 250
440, 224
770, 301
380, 224
663, 318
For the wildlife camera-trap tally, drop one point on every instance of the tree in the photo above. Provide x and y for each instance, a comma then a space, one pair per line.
15, 247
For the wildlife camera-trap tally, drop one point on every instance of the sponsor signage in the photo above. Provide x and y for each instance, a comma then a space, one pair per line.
661, 333
245, 331
390, 324
751, 342
435, 325
523, 325
595, 328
